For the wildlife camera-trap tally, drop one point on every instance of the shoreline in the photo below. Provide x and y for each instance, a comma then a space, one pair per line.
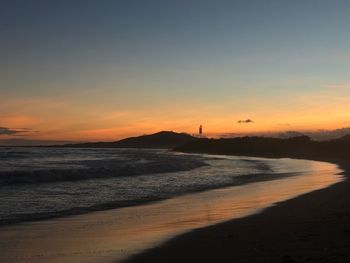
118, 234
29, 218
313, 227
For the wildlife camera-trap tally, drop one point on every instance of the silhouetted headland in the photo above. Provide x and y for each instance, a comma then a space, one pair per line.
296, 147
159, 140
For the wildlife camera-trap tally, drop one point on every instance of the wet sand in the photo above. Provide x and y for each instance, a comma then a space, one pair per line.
115, 235
314, 227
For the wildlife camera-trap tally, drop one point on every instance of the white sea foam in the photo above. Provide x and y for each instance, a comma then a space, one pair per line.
48, 182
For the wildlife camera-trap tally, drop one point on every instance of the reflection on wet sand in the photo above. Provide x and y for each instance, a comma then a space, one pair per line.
111, 236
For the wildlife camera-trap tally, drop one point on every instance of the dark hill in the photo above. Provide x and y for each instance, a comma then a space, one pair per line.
161, 140
297, 147
345, 138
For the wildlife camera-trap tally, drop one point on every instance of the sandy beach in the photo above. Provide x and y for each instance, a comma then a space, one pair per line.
119, 234
314, 227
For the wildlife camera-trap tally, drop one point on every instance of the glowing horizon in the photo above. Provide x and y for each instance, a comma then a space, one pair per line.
106, 70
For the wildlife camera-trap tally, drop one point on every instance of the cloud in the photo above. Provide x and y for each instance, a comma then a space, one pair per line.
245, 121
14, 132
7, 131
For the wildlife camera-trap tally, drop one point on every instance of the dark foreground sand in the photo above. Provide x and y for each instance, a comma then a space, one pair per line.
314, 227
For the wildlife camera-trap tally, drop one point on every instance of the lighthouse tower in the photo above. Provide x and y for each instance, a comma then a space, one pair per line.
200, 130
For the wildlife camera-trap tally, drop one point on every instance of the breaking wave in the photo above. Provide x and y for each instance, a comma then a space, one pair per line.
45, 165
37, 183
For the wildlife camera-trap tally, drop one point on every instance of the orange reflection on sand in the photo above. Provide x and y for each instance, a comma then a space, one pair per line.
111, 236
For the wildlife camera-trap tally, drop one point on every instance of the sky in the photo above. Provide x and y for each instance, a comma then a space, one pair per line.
104, 70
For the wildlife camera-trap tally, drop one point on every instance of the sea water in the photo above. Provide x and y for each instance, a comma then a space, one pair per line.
49, 182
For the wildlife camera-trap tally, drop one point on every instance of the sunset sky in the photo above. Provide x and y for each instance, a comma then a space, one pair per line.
104, 70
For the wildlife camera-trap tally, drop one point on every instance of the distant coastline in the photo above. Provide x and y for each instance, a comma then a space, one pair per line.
301, 147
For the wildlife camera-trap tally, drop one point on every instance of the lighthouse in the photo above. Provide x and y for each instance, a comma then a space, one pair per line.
200, 130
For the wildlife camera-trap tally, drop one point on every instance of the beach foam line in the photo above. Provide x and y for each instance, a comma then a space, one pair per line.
115, 235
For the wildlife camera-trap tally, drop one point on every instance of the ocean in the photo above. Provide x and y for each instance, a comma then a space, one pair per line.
37, 183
